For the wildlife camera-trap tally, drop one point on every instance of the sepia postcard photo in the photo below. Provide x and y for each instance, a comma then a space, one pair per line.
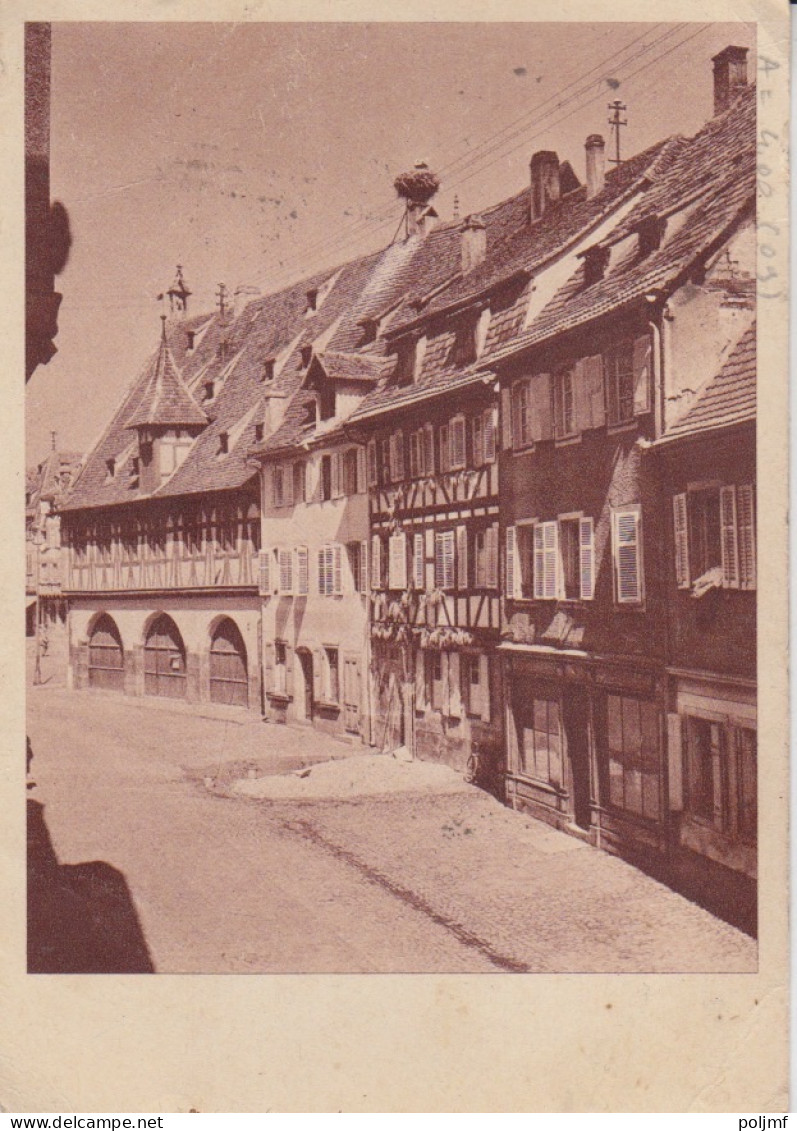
405, 482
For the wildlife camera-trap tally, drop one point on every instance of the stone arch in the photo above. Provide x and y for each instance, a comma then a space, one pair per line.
106, 658
165, 658
228, 663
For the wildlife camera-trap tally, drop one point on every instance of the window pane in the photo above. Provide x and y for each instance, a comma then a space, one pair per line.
701, 787
632, 733
615, 725
615, 783
650, 795
650, 737
633, 791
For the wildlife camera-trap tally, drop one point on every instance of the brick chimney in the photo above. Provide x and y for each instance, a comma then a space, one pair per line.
595, 148
473, 243
545, 189
730, 76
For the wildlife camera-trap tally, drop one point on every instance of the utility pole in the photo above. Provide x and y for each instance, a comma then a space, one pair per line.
617, 107
221, 300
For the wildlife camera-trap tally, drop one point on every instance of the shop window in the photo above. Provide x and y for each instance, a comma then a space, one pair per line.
634, 756
721, 771
541, 741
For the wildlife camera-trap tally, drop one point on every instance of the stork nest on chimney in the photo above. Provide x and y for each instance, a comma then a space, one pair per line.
419, 186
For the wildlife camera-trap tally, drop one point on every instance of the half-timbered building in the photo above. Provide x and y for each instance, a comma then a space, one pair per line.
602, 371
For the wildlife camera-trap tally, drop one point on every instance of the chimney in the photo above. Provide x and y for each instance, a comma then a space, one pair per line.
544, 167
730, 76
473, 243
596, 164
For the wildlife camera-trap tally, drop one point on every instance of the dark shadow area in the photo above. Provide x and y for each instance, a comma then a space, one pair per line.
81, 917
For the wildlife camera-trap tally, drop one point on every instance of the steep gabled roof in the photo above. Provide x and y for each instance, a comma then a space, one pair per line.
728, 399
165, 399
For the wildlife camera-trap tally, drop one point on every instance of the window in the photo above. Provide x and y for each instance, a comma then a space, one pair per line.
330, 574
714, 530
465, 340
384, 460
312, 300
299, 482
405, 363
267, 373
397, 561
428, 449
278, 486
485, 565
190, 335
302, 571
110, 469
475, 675
208, 390
280, 667
444, 559
456, 444
416, 454
396, 456
541, 741
634, 756
627, 555
721, 775
259, 433
326, 401
224, 443
376, 561
326, 478
596, 260
350, 472
564, 415
443, 447
354, 556
619, 384
435, 692
332, 689
418, 562
483, 437
521, 415
545, 565
462, 557
371, 464
570, 558
746, 787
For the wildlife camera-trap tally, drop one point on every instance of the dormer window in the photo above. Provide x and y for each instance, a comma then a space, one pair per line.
465, 341
651, 233
405, 362
208, 390
312, 300
190, 336
306, 354
326, 401
596, 260
259, 433
223, 350
267, 374
224, 443
135, 471
370, 330
110, 468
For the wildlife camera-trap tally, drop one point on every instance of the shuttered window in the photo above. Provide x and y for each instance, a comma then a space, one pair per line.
745, 518
376, 562
397, 561
714, 534
444, 559
428, 449
587, 558
337, 569
492, 556
643, 373
456, 441
418, 578
397, 456
362, 581
462, 557
373, 473
302, 571
477, 440
564, 408
728, 540
278, 486
489, 435
512, 579
443, 447
416, 441
619, 372
627, 555
521, 414
681, 535
264, 573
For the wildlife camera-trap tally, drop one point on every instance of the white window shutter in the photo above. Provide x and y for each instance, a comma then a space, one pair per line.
337, 478
643, 380
428, 449
264, 581
457, 443
594, 392
462, 557
586, 540
484, 685
491, 556
454, 687
362, 581
397, 561
477, 433
512, 563
550, 538
418, 562
376, 562
373, 475
627, 557
361, 477
680, 518
322, 571
729, 540
438, 561
745, 522
301, 570
489, 435
448, 559
539, 561
286, 572
287, 485
337, 568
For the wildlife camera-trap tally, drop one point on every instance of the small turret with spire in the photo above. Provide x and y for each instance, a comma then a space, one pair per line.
178, 295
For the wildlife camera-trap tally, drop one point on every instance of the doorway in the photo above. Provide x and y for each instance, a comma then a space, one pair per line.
306, 660
575, 717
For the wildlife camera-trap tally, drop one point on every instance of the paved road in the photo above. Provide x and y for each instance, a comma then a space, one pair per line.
397, 883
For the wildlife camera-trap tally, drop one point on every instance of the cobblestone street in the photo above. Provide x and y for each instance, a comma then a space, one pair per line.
448, 880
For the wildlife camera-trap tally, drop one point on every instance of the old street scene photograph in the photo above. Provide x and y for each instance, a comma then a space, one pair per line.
390, 497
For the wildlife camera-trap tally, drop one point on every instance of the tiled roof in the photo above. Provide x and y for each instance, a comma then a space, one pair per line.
715, 172
166, 400
351, 366
51, 479
730, 396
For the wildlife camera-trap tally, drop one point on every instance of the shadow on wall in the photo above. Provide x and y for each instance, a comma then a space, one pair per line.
81, 917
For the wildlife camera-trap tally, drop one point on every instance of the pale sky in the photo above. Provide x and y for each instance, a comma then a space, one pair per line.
258, 153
